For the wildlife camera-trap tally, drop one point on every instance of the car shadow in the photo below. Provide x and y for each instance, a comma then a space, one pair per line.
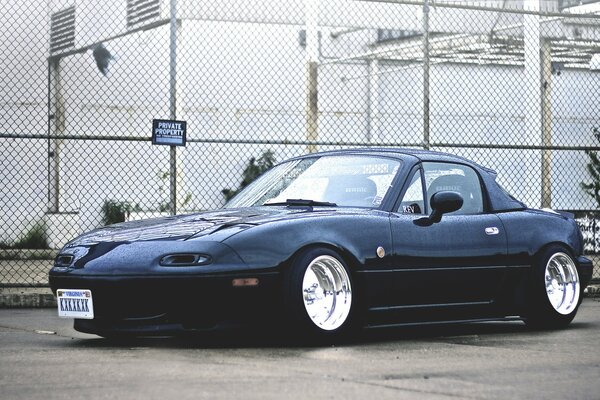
264, 338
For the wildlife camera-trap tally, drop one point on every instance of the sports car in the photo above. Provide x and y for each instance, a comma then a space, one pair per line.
329, 242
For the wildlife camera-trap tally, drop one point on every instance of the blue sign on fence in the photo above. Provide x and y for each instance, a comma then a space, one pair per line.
169, 132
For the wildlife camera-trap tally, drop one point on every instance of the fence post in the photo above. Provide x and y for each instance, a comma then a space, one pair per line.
56, 126
533, 85
173, 101
546, 124
373, 101
311, 8
426, 144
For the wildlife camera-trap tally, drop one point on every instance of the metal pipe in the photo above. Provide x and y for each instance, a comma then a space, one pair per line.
459, 6
532, 90
56, 127
373, 101
49, 128
426, 66
312, 78
108, 39
485, 146
546, 124
173, 102
448, 38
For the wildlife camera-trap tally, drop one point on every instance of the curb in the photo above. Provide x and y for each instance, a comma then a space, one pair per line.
42, 298
27, 298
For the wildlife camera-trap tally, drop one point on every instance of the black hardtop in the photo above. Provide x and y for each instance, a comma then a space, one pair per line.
420, 154
499, 200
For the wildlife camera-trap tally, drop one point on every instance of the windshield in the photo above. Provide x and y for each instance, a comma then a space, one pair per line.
345, 181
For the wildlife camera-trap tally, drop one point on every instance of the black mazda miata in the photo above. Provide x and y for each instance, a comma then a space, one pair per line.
328, 242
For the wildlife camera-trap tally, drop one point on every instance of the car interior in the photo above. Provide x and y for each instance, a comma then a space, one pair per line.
351, 190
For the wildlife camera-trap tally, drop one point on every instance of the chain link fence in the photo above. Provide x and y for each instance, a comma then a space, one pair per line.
513, 85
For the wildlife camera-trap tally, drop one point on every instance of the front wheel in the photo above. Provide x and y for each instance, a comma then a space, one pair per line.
555, 291
318, 292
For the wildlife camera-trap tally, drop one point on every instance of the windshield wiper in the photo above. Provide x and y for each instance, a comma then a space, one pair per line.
302, 203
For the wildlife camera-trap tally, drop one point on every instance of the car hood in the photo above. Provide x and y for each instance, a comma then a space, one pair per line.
206, 224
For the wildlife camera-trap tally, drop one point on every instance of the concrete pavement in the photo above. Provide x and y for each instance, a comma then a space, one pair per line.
41, 357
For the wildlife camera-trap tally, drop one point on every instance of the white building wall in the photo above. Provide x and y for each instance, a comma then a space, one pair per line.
23, 111
246, 82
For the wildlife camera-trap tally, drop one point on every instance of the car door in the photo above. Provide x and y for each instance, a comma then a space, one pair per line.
457, 261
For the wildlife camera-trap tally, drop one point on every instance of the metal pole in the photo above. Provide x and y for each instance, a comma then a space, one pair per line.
373, 101
173, 101
50, 122
532, 90
426, 75
56, 127
312, 63
546, 124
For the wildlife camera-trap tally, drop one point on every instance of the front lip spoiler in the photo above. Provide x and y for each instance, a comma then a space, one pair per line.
148, 327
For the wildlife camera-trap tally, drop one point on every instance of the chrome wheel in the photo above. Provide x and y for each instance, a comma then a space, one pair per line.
562, 283
327, 292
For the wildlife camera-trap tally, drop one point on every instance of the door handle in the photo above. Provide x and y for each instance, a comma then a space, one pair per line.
491, 230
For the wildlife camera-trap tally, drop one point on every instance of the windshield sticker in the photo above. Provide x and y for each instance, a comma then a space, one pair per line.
372, 169
332, 166
432, 175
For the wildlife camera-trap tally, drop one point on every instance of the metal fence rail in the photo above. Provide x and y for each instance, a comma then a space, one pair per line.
513, 85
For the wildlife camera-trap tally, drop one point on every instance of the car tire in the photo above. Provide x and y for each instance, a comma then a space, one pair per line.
555, 291
318, 294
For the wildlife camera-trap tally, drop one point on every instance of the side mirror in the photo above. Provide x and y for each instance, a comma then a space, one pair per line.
442, 202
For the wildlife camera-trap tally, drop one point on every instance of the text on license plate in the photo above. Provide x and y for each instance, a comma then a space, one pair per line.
75, 303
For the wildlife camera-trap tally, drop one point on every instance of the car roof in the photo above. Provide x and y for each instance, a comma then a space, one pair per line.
401, 152
499, 199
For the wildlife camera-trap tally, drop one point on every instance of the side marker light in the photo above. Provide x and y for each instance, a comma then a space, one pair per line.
239, 282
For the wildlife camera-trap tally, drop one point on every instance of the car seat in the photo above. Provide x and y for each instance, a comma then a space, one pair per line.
352, 190
471, 193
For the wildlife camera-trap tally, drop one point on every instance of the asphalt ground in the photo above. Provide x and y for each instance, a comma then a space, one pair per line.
42, 357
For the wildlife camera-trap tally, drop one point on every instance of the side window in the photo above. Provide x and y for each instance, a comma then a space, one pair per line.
456, 178
412, 202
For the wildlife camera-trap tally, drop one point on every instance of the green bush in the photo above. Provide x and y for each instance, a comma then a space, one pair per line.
116, 211
164, 178
253, 170
593, 167
34, 239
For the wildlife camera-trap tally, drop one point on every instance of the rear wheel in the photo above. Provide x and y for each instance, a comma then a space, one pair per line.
318, 293
556, 290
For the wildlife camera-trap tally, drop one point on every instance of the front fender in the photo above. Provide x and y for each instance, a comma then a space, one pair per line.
272, 245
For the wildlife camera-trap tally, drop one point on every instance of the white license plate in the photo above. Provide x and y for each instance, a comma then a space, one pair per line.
75, 303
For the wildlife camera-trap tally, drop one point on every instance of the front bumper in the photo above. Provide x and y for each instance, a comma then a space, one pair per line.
165, 305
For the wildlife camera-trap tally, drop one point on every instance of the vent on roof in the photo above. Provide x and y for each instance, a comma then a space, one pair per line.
141, 12
62, 30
